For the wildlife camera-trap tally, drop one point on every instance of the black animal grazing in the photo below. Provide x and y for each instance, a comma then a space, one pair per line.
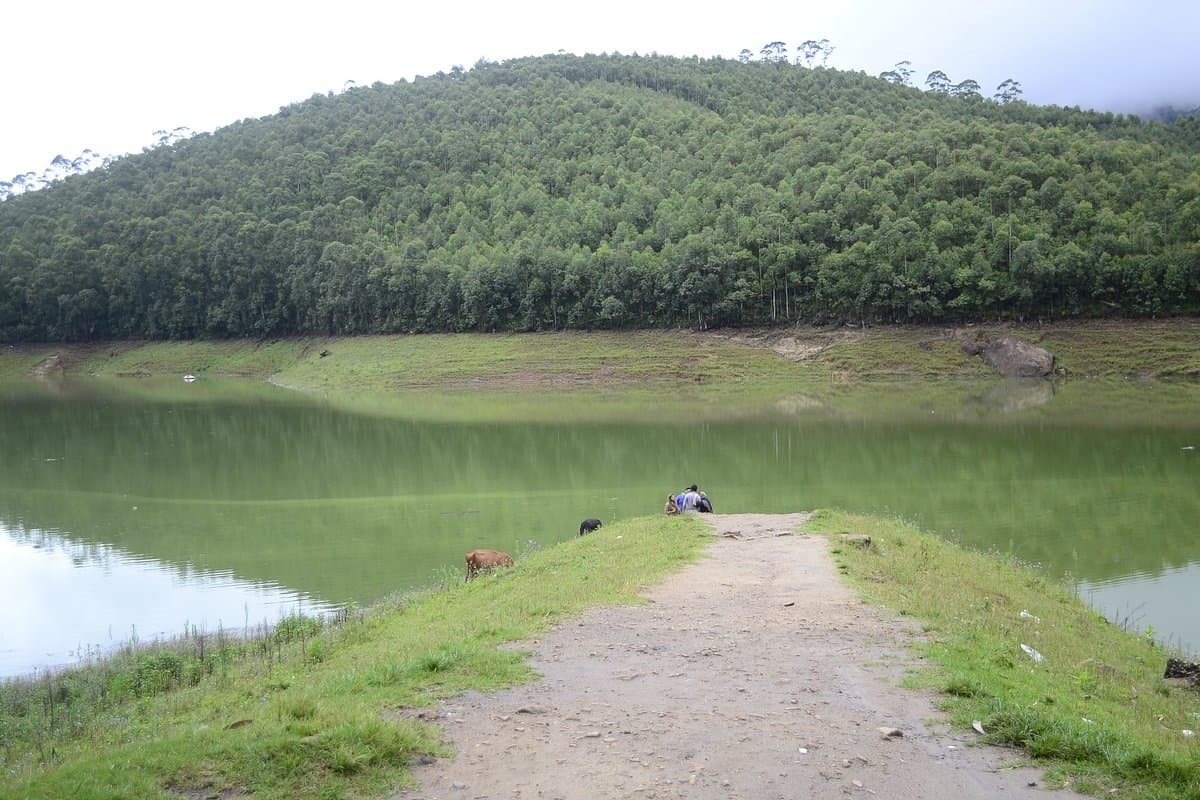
589, 526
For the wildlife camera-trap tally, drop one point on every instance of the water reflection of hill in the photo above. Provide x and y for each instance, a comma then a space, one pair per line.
351, 507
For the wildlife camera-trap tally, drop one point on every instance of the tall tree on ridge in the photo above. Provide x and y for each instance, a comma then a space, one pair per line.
774, 51
938, 82
1008, 91
898, 74
965, 88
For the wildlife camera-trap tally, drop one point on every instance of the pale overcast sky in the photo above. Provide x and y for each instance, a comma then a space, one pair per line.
106, 75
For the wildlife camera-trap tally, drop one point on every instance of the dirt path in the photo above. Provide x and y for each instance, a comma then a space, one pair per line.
753, 674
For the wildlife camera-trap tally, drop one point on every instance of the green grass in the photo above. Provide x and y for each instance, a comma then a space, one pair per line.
235, 358
306, 710
1095, 710
1146, 349
1085, 349
891, 354
531, 376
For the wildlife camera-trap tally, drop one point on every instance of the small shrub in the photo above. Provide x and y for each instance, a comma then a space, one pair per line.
296, 627
156, 673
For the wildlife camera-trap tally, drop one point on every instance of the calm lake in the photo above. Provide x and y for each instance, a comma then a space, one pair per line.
137, 513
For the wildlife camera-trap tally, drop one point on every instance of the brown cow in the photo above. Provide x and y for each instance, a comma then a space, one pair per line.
480, 560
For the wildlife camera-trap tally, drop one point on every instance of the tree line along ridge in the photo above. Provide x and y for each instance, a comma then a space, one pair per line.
614, 191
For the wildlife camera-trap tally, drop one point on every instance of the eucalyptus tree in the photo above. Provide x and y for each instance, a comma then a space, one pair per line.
900, 74
967, 88
809, 50
1008, 91
775, 52
938, 82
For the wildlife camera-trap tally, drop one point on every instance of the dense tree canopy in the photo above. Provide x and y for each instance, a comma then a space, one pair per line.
614, 191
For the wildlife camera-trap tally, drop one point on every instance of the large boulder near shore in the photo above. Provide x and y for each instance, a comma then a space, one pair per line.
1185, 670
1015, 358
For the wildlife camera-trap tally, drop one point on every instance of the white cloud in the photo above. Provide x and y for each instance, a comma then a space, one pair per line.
106, 76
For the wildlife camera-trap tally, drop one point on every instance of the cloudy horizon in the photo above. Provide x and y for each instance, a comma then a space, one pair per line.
81, 80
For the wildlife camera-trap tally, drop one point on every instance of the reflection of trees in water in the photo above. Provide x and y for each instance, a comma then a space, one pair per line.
79, 551
88, 552
352, 507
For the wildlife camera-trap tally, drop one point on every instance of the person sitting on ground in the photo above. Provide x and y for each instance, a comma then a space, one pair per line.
689, 500
671, 508
704, 505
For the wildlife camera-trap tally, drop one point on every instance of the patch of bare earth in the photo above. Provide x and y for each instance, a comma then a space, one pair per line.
69, 358
755, 673
794, 344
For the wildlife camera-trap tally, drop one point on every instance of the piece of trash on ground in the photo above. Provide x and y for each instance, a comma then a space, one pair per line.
1034, 654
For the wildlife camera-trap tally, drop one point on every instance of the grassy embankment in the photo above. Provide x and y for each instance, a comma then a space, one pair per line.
469, 376
1109, 367
1108, 370
310, 710
318, 712
1095, 709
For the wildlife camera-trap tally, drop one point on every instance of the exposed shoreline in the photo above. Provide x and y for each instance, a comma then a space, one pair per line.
1138, 349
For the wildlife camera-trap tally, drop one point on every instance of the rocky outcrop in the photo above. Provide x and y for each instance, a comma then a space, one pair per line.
1184, 670
1015, 358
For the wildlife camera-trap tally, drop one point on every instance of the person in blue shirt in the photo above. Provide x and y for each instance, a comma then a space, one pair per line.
689, 499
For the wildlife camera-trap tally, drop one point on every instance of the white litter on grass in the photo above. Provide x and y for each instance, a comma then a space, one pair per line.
1026, 615
1034, 654
1186, 732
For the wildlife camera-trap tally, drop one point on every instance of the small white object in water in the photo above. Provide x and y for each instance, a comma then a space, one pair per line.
189, 378
1188, 447
1034, 654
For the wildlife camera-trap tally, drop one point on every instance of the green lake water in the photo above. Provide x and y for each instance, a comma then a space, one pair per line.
135, 514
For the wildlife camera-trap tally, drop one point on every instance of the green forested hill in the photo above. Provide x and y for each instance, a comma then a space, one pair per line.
614, 191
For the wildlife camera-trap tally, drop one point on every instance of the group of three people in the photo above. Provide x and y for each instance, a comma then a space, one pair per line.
690, 499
